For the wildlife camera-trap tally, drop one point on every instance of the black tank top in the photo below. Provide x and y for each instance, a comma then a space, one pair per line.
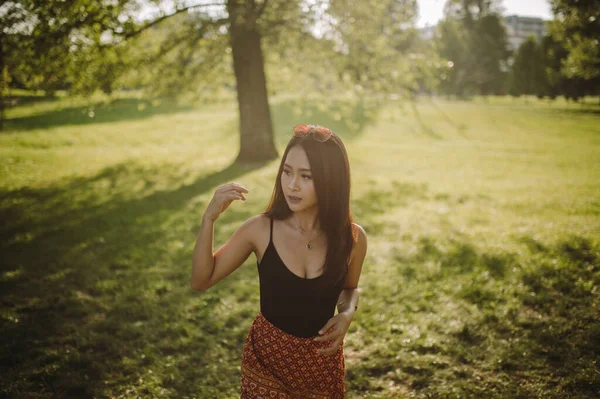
290, 302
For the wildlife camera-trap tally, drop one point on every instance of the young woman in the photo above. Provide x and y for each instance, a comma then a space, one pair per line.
309, 255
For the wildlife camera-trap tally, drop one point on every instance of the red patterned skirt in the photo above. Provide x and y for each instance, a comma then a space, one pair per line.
279, 365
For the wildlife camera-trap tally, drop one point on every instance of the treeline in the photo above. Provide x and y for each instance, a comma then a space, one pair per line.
566, 62
365, 48
538, 69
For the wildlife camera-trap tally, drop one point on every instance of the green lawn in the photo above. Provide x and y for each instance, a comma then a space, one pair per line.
481, 281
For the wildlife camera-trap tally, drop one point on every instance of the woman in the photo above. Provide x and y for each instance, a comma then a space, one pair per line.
309, 256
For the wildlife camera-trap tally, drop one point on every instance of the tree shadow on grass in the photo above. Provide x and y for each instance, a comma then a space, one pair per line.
424, 128
95, 292
115, 111
575, 112
461, 128
535, 331
561, 315
17, 100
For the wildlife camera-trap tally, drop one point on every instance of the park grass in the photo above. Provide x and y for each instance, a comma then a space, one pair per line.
481, 280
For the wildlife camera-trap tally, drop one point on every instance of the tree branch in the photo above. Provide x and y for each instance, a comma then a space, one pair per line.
262, 8
166, 48
129, 35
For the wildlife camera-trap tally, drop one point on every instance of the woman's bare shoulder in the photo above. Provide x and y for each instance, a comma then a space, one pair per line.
256, 223
257, 228
360, 240
358, 232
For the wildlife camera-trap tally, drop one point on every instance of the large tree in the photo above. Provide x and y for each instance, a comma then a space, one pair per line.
89, 35
528, 74
558, 83
473, 39
72, 28
577, 24
452, 44
468, 12
256, 129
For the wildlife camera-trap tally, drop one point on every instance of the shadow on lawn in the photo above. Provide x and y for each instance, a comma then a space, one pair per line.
115, 111
424, 128
92, 298
17, 100
561, 316
574, 111
286, 114
536, 331
460, 128
92, 291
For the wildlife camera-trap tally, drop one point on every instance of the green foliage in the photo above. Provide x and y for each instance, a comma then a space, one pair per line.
71, 46
490, 54
452, 45
370, 39
473, 40
469, 11
186, 55
578, 25
56, 40
551, 54
360, 56
528, 74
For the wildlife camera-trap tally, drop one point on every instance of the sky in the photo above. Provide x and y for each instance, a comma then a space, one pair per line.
431, 11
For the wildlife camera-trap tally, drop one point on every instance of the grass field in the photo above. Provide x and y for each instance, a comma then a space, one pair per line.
481, 279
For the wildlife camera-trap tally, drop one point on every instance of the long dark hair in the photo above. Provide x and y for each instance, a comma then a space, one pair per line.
331, 176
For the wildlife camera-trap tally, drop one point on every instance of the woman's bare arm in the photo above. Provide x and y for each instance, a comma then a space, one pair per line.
207, 267
348, 299
209, 270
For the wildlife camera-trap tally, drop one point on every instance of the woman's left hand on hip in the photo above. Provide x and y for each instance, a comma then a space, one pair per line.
339, 325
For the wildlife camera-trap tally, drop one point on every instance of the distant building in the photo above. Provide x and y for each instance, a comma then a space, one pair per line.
518, 29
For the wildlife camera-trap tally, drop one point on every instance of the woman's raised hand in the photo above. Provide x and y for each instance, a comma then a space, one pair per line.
223, 197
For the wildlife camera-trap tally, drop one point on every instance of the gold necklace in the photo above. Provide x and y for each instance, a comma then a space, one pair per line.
308, 246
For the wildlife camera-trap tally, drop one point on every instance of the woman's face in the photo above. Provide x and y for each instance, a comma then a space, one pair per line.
296, 181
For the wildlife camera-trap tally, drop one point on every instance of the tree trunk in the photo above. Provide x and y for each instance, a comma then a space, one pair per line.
256, 129
2, 82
